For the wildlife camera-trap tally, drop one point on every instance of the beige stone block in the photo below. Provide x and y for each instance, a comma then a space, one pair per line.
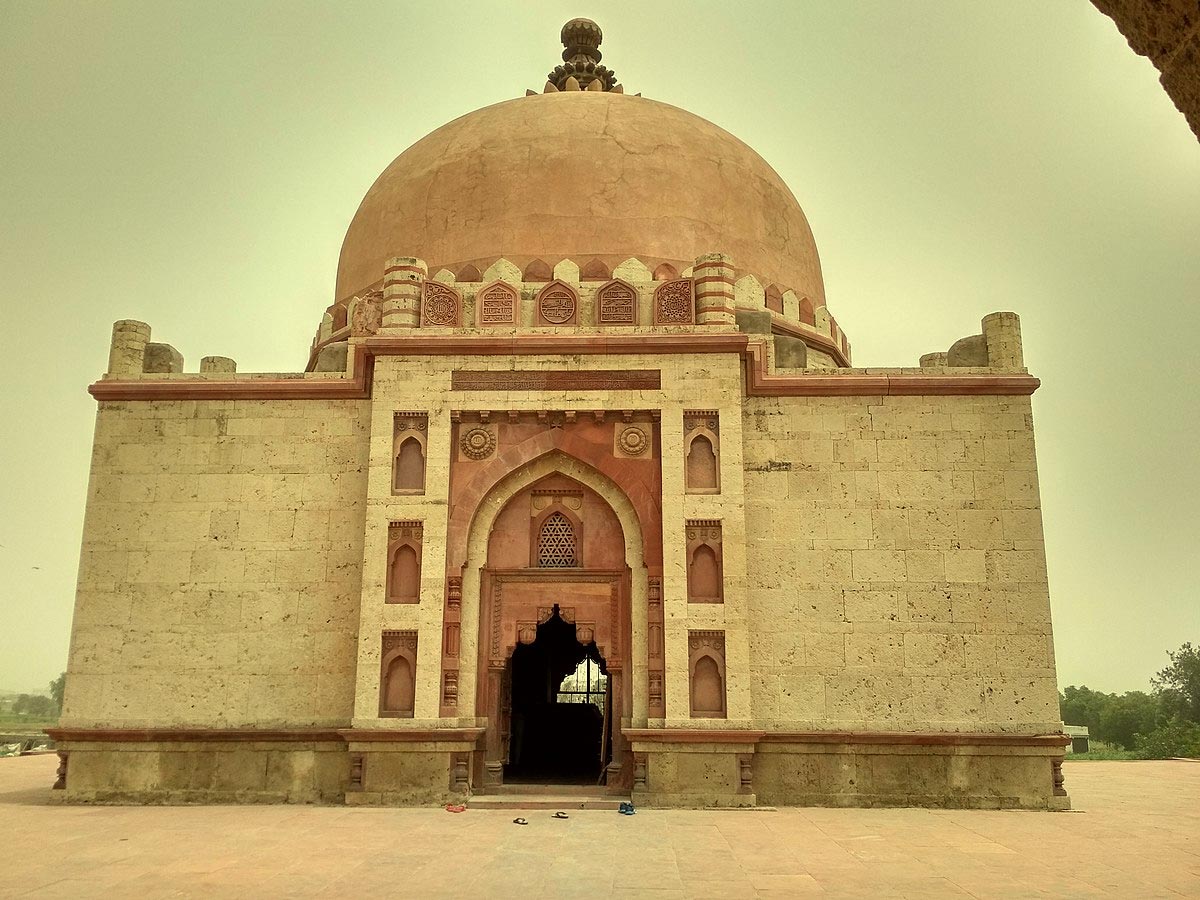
965, 566
817, 566
876, 650
160, 566
924, 565
884, 699
928, 651
825, 650
873, 606
878, 565
1016, 566
848, 524
801, 697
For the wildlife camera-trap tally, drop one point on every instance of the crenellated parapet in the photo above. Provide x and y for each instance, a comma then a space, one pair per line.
593, 295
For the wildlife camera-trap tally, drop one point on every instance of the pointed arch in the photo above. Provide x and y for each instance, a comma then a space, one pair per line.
482, 520
666, 272
469, 273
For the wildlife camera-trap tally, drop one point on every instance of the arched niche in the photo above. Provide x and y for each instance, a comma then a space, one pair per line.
706, 674
665, 272
398, 674
702, 474
469, 273
404, 573
409, 468
774, 298
704, 575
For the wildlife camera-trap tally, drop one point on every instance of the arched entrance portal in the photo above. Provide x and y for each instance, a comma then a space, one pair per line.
560, 711
555, 593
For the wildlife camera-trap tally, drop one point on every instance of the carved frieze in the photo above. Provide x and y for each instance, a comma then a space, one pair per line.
577, 380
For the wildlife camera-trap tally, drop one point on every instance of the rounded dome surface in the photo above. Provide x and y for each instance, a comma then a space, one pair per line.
581, 175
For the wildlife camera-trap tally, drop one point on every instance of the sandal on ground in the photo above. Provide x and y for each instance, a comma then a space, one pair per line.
560, 815
520, 821
455, 807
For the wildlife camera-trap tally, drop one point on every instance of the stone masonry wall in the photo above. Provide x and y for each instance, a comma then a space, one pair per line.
221, 565
897, 577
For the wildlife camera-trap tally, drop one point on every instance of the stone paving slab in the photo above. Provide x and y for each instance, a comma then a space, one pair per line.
1135, 834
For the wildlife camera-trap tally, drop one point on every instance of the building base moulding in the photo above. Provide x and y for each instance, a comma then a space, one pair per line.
853, 769
672, 767
408, 767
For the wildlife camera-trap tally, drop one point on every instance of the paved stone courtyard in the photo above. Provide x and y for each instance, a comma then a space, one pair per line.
1136, 833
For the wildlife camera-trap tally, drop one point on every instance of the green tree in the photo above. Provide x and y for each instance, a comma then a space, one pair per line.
1171, 739
1178, 685
57, 686
1126, 715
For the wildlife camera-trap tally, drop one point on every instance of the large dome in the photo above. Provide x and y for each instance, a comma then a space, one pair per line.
581, 175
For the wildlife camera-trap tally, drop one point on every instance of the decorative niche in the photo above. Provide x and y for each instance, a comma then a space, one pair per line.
398, 674
705, 572
404, 562
702, 452
706, 674
410, 432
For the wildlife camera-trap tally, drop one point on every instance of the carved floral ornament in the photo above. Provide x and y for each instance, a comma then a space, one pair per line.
673, 302
441, 304
478, 443
634, 441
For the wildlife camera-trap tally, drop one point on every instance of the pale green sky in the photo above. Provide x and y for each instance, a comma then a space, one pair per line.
195, 165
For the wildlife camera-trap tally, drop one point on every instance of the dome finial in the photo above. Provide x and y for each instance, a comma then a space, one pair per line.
581, 60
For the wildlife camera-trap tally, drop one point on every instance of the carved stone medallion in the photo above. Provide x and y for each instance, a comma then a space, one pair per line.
478, 443
633, 441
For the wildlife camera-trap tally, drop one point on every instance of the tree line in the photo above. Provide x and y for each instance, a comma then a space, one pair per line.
1162, 724
41, 706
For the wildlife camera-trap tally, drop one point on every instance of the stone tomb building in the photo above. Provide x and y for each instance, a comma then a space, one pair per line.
579, 485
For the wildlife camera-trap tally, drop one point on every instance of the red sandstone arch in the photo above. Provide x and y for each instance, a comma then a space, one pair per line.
594, 594
599, 457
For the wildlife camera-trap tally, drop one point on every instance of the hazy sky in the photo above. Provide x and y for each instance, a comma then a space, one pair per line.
195, 166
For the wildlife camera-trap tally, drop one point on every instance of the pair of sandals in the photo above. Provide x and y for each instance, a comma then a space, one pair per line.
626, 808
523, 821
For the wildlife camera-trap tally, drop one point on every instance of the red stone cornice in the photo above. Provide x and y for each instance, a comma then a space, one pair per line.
759, 382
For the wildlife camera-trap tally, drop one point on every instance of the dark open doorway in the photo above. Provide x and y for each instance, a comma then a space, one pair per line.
560, 713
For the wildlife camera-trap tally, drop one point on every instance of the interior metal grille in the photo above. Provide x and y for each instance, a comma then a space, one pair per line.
556, 543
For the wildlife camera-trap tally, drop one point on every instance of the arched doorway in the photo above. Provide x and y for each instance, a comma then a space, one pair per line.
560, 710
554, 593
